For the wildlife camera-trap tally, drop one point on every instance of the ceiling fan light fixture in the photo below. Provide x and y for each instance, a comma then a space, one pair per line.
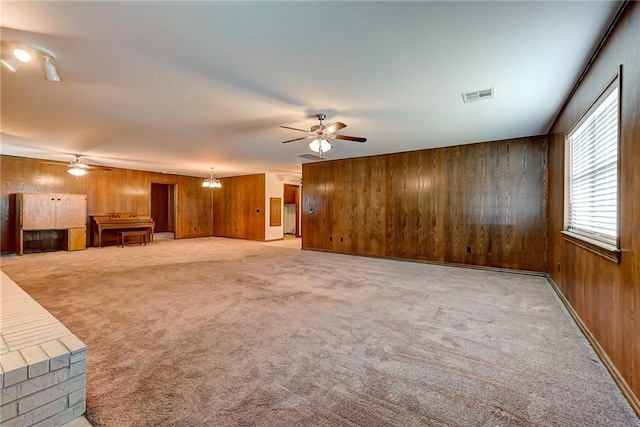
320, 145
77, 171
21, 55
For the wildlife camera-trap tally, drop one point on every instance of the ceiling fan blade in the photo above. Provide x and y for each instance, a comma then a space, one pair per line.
299, 130
55, 163
296, 139
335, 127
349, 138
76, 164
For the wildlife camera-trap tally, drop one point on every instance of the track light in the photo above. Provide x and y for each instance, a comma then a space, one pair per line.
50, 72
11, 64
24, 53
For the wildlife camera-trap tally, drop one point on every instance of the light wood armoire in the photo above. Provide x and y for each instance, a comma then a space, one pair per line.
63, 215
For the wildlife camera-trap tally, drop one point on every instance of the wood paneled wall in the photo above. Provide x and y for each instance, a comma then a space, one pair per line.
239, 207
481, 204
605, 295
121, 190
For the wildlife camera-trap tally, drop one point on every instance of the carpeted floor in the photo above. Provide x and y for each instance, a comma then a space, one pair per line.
220, 332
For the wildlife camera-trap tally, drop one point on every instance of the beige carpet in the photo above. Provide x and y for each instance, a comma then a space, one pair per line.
220, 332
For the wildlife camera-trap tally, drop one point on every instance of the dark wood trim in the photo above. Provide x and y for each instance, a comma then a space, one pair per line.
609, 252
298, 233
626, 390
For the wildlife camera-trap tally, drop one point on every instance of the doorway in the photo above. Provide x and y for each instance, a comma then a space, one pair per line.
163, 210
291, 215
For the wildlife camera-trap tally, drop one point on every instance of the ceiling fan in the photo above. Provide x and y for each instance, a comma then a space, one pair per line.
78, 168
322, 135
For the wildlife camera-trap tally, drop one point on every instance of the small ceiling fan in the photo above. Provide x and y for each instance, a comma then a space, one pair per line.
78, 168
322, 135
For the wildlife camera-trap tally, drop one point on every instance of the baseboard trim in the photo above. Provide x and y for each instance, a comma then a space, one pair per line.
446, 264
627, 392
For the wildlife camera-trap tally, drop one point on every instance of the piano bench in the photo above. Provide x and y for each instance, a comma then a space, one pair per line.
142, 236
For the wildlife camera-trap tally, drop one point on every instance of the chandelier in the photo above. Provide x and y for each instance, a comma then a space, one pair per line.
211, 182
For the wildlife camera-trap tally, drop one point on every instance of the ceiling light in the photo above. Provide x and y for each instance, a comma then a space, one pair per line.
11, 63
26, 52
320, 145
77, 171
22, 55
50, 72
211, 182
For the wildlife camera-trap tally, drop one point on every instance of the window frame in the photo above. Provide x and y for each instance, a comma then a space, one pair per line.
587, 240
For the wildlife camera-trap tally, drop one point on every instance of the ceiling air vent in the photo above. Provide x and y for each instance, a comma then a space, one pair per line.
478, 95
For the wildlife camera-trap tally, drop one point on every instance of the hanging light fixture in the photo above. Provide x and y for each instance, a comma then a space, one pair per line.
211, 182
320, 145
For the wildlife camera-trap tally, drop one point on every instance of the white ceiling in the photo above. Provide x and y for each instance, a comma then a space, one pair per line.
181, 86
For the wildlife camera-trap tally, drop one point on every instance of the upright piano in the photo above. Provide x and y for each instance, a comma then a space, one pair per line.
118, 221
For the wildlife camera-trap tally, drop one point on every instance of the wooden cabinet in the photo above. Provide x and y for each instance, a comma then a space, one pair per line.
76, 239
37, 212
290, 194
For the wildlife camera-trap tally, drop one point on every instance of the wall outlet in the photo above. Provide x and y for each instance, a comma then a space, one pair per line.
468, 249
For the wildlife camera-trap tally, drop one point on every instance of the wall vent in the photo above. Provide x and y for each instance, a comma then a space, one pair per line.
478, 95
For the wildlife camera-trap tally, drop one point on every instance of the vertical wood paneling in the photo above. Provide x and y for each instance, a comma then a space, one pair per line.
434, 204
239, 207
121, 190
605, 295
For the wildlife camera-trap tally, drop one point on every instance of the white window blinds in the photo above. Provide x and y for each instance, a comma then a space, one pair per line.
593, 175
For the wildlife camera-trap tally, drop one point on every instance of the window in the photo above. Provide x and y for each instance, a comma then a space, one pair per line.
592, 208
